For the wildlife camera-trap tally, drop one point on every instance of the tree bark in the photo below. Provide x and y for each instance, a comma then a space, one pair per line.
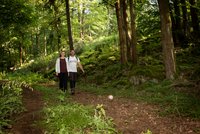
123, 4
194, 17
133, 40
177, 27
121, 33
184, 16
81, 13
167, 40
37, 44
69, 25
45, 43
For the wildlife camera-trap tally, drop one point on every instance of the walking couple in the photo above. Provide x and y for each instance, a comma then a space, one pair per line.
67, 67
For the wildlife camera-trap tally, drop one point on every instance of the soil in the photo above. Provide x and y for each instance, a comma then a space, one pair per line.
130, 117
25, 122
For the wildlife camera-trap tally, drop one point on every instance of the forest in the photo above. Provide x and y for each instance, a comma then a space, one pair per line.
145, 54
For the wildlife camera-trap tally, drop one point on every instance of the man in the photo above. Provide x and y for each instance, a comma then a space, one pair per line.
73, 61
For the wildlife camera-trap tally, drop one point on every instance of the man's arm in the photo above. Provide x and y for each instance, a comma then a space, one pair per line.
81, 67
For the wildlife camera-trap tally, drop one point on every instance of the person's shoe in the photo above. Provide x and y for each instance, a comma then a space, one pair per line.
72, 91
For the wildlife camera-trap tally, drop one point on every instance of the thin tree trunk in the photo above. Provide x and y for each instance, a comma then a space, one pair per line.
21, 50
184, 16
133, 32
120, 31
177, 27
32, 45
109, 20
81, 12
82, 21
194, 17
36, 50
167, 40
45, 43
69, 25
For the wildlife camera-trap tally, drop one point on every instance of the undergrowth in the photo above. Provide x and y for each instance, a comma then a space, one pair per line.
64, 117
10, 101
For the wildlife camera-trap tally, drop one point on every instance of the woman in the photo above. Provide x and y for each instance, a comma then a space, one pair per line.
73, 61
61, 71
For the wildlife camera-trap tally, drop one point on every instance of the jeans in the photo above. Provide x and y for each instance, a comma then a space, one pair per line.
63, 81
73, 78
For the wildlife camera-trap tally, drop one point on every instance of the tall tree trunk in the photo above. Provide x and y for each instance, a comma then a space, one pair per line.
133, 32
177, 28
184, 16
194, 17
21, 49
81, 13
69, 25
109, 20
173, 20
125, 28
121, 33
167, 40
32, 45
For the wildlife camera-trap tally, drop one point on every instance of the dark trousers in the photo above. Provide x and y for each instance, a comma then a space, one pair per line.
73, 78
63, 81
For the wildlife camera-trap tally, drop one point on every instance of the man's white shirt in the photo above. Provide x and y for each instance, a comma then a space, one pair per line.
72, 63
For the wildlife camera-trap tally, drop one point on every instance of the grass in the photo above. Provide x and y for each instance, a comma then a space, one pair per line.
65, 117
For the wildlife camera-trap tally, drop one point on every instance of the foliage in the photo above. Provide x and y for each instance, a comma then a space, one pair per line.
15, 16
26, 76
74, 118
147, 132
41, 64
10, 101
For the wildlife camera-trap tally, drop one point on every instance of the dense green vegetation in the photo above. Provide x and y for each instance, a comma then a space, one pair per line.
123, 45
11, 103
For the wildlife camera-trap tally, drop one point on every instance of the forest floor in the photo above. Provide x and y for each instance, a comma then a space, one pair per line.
129, 116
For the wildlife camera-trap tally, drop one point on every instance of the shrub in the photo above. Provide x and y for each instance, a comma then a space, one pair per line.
10, 101
74, 118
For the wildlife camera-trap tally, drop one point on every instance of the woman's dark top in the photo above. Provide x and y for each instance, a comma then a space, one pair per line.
63, 67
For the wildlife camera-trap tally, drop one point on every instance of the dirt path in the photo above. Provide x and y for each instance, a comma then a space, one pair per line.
133, 117
130, 117
24, 123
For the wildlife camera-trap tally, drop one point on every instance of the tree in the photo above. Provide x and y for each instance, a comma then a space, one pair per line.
194, 17
184, 16
69, 25
122, 37
167, 39
133, 32
15, 17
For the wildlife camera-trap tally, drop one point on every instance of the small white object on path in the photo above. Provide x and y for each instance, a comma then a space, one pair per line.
110, 97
